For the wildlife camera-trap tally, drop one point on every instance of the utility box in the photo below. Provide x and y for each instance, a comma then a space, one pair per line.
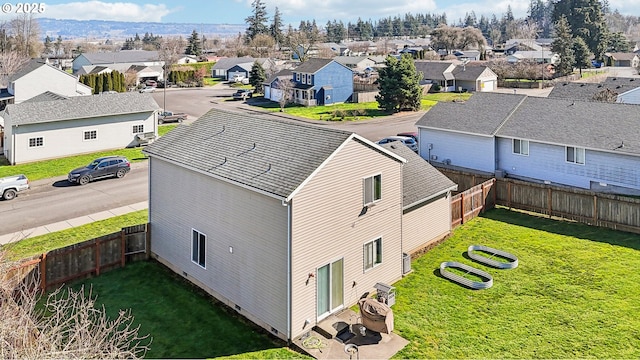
386, 293
406, 263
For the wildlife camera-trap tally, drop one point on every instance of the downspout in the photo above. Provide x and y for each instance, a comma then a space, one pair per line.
288, 205
13, 145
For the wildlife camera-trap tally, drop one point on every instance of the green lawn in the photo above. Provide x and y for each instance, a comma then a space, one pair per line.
183, 321
40, 244
208, 81
574, 294
163, 129
446, 96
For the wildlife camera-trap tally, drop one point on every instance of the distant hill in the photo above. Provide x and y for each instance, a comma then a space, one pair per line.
120, 30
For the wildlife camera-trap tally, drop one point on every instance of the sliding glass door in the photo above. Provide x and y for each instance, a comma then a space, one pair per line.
330, 288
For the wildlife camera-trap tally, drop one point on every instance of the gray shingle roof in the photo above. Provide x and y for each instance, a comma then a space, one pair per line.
481, 114
259, 151
579, 91
228, 63
468, 72
420, 180
124, 56
284, 73
78, 107
588, 124
433, 70
46, 96
621, 56
312, 65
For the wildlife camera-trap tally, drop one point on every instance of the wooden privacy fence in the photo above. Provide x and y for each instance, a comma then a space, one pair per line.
469, 203
589, 207
87, 258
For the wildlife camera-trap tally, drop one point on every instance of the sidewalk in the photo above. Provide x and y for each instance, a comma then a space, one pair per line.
71, 223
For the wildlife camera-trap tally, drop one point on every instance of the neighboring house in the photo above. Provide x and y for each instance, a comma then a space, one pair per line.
36, 77
187, 59
336, 49
138, 57
471, 55
546, 57
220, 68
356, 63
624, 88
526, 44
243, 70
437, 72
322, 82
142, 72
622, 59
475, 78
45, 129
272, 87
288, 232
558, 141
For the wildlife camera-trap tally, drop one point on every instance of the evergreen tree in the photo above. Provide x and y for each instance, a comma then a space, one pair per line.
581, 53
563, 46
107, 84
47, 45
194, 46
618, 43
399, 85
276, 27
257, 76
58, 45
97, 89
586, 20
257, 21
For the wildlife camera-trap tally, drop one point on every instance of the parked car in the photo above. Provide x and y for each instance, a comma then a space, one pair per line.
169, 116
151, 83
10, 186
163, 84
243, 94
147, 89
99, 168
411, 134
411, 144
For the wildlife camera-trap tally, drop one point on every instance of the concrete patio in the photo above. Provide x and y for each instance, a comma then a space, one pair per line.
322, 342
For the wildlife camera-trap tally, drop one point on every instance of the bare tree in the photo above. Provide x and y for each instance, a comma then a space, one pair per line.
286, 87
170, 50
69, 325
130, 79
606, 95
26, 31
10, 63
262, 45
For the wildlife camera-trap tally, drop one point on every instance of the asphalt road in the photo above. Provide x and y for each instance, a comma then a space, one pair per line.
52, 200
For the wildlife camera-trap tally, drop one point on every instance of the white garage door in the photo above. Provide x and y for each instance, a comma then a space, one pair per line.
488, 85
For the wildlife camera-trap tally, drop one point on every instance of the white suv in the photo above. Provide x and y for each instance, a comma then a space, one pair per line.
410, 142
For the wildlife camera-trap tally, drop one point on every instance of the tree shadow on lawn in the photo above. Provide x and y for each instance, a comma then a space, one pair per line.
568, 228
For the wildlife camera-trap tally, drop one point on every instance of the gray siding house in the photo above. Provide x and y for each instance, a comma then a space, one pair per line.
285, 232
39, 130
585, 144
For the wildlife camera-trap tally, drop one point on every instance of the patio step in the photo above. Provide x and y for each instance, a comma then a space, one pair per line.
331, 327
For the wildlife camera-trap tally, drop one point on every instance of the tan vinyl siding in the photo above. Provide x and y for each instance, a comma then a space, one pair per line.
327, 225
425, 224
254, 275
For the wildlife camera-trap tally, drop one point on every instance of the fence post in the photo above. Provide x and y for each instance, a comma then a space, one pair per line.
123, 244
43, 271
484, 202
549, 206
462, 208
97, 257
595, 209
509, 195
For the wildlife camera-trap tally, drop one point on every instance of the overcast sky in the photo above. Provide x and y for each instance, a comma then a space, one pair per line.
235, 11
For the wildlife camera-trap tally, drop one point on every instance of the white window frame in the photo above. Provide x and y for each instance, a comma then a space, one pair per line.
138, 127
303, 78
36, 143
93, 135
577, 159
372, 254
522, 147
369, 185
196, 254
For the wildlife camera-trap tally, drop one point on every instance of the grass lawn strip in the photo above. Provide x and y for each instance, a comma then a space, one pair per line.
574, 294
40, 244
184, 321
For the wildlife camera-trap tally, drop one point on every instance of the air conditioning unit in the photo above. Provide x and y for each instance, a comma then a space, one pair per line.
434, 157
447, 161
